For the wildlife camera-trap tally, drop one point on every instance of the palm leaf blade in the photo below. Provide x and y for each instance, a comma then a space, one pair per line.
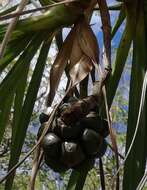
26, 111
136, 161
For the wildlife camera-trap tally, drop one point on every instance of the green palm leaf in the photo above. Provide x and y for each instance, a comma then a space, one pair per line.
136, 161
13, 50
118, 66
119, 21
50, 21
5, 110
26, 111
10, 82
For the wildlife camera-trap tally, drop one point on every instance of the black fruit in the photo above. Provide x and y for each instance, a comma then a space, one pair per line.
43, 118
91, 121
104, 128
55, 164
94, 122
51, 145
75, 143
72, 154
91, 142
67, 132
102, 149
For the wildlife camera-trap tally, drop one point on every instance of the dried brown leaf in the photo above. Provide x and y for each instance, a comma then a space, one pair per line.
106, 26
36, 164
59, 66
76, 52
88, 42
82, 50
81, 62
80, 70
105, 17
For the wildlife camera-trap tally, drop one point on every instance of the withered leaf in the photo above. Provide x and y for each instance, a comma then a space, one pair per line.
88, 42
81, 63
59, 66
105, 17
81, 49
80, 70
76, 52
106, 26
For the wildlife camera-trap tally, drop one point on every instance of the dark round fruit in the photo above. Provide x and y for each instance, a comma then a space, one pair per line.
72, 154
93, 121
43, 125
91, 142
43, 118
51, 145
85, 164
55, 164
102, 149
67, 132
104, 128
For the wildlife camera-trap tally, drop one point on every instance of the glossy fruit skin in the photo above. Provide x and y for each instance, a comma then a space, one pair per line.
75, 145
55, 164
95, 122
91, 142
43, 118
51, 145
67, 132
72, 154
91, 123
102, 149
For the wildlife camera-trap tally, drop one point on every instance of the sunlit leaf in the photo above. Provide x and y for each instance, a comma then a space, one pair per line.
50, 20
76, 52
84, 53
8, 10
88, 42
80, 70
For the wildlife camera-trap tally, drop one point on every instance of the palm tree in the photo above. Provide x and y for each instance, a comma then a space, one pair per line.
22, 39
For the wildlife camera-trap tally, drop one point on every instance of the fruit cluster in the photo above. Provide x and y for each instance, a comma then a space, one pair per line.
70, 146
